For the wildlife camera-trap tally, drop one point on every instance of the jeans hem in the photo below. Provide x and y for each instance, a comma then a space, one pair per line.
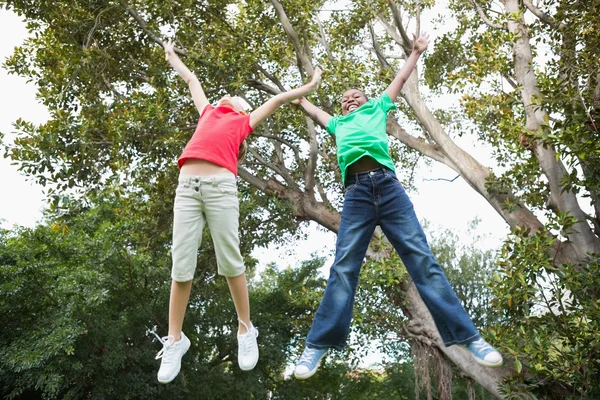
182, 278
464, 341
324, 346
232, 274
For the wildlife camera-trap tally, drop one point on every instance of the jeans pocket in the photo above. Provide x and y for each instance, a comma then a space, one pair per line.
390, 174
395, 181
181, 188
350, 188
229, 188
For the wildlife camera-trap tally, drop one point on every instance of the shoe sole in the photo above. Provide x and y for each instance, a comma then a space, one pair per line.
311, 372
164, 382
481, 362
250, 368
487, 364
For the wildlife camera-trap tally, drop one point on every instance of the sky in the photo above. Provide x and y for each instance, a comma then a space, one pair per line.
20, 200
447, 205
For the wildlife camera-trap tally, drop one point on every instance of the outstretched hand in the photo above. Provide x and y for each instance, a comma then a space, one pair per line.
420, 44
316, 78
169, 47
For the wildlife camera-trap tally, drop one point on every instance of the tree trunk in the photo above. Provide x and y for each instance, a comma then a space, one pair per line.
582, 237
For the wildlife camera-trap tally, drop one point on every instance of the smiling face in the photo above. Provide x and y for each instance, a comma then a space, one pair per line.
351, 100
232, 102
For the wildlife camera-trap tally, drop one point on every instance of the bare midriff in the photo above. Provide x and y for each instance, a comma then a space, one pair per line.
362, 165
194, 166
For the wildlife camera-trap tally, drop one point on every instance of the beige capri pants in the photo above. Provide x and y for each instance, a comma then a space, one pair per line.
211, 199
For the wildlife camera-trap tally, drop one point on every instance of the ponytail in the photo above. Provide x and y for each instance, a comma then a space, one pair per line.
242, 151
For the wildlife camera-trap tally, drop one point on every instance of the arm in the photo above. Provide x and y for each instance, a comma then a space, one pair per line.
188, 76
276, 101
315, 112
419, 46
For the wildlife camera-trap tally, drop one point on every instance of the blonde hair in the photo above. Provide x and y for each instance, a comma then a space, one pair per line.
243, 150
242, 103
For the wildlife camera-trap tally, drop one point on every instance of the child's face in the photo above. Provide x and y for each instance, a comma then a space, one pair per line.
232, 102
351, 100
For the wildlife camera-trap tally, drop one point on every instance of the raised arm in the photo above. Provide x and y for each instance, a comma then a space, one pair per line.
419, 46
188, 76
280, 99
315, 112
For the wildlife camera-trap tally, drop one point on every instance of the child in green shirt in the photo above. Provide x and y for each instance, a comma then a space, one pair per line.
374, 196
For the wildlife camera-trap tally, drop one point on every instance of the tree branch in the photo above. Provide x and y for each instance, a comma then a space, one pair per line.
432, 151
323, 39
144, 25
545, 18
303, 57
377, 50
484, 17
90, 33
510, 81
278, 150
322, 193
281, 140
393, 33
283, 172
305, 208
597, 93
309, 173
271, 77
418, 18
406, 43
110, 87
260, 85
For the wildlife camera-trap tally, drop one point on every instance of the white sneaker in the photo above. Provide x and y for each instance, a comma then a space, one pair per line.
171, 354
247, 348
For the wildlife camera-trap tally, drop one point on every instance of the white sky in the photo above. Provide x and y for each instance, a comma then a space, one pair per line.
20, 200
446, 205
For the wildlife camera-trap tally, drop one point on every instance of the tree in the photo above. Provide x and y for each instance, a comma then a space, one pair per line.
118, 120
82, 291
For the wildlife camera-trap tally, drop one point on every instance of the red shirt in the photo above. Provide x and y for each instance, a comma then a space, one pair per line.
217, 138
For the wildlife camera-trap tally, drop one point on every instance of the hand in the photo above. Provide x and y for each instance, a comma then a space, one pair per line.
298, 101
169, 49
420, 44
316, 78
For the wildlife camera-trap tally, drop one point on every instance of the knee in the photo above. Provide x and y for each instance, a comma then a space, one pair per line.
341, 280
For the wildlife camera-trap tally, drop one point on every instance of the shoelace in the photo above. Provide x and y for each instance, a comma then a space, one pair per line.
164, 353
245, 341
481, 345
307, 356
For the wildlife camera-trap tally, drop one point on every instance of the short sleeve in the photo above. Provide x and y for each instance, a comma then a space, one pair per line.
331, 125
385, 103
247, 127
206, 109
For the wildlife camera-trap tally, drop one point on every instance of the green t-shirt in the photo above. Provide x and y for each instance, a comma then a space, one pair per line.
363, 133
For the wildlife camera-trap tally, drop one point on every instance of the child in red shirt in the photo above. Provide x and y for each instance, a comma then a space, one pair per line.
207, 192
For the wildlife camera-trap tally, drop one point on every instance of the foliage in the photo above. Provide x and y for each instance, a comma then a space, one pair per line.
547, 308
119, 118
82, 291
551, 318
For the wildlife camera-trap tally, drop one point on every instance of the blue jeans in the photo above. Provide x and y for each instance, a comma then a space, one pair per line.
377, 198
